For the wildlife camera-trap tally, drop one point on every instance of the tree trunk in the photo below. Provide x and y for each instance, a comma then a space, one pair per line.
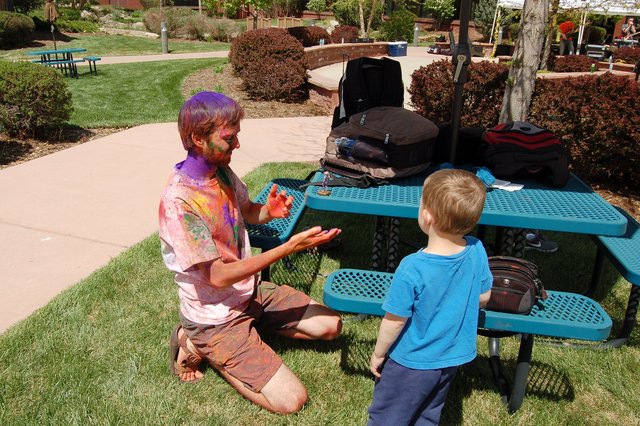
361, 15
374, 6
525, 61
551, 29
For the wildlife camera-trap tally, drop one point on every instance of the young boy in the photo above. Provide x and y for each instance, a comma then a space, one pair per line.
432, 305
202, 215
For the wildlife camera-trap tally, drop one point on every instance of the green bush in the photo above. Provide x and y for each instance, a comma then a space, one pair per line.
483, 15
33, 98
224, 29
15, 29
24, 6
79, 26
399, 26
309, 36
179, 20
628, 55
431, 92
346, 12
597, 117
344, 32
271, 64
572, 63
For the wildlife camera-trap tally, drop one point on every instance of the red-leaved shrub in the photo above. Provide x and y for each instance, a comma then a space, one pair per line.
271, 64
572, 63
310, 36
432, 92
344, 32
628, 55
596, 117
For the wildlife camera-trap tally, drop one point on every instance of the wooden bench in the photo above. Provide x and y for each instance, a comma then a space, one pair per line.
562, 315
277, 231
624, 254
92, 63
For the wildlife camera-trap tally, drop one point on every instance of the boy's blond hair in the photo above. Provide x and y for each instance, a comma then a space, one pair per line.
455, 199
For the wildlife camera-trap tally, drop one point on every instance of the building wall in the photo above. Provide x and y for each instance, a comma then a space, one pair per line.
125, 4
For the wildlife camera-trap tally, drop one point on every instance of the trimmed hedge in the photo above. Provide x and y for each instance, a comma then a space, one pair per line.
594, 115
346, 32
271, 64
572, 63
33, 98
15, 29
628, 55
309, 36
597, 117
431, 92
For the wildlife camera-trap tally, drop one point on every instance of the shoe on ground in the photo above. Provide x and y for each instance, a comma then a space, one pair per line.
537, 241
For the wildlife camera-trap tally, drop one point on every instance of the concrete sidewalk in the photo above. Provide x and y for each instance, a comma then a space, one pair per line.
67, 214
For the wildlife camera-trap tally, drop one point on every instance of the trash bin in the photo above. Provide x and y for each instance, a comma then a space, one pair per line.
397, 48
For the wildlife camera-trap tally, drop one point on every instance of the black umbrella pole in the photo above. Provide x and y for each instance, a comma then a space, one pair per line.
461, 60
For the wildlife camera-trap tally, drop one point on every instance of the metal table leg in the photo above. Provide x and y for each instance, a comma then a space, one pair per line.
393, 244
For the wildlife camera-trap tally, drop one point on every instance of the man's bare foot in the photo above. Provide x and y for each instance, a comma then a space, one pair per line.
184, 358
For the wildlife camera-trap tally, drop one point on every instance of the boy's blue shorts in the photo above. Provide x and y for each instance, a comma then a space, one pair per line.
405, 396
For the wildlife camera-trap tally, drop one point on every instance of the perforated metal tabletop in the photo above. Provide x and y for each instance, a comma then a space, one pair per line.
575, 208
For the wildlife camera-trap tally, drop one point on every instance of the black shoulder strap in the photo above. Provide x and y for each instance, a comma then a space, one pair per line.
393, 87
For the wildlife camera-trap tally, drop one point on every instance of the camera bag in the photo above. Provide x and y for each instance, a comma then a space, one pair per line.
516, 287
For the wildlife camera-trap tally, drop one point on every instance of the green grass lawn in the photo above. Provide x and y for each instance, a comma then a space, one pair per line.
118, 45
97, 353
131, 94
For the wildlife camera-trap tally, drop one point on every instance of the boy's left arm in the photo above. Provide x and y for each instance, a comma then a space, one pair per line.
484, 298
390, 329
278, 205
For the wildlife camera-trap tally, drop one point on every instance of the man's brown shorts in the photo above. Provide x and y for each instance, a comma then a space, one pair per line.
237, 347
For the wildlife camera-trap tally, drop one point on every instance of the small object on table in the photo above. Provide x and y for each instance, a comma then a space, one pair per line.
325, 182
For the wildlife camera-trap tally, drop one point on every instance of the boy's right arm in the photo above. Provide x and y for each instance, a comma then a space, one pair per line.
390, 329
484, 298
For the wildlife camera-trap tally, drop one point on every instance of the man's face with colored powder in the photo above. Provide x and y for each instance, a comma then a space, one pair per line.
218, 145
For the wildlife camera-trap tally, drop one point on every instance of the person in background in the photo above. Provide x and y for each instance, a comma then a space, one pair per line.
566, 29
629, 29
431, 320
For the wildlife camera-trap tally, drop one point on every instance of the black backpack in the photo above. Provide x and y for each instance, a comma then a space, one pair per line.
367, 83
519, 149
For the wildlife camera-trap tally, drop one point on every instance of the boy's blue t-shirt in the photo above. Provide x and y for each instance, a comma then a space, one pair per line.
440, 296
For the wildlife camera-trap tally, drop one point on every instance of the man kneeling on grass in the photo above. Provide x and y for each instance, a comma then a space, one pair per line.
203, 212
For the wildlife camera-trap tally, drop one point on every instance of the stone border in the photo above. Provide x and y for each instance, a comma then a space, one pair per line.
324, 92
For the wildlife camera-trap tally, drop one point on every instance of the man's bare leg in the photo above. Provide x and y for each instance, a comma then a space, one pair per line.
283, 393
317, 323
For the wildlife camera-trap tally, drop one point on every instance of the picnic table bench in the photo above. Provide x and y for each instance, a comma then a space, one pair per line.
562, 315
624, 254
277, 231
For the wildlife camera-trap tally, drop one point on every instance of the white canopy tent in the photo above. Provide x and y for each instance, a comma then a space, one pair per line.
603, 7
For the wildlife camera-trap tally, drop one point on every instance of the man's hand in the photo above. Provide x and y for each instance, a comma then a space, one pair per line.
312, 237
278, 204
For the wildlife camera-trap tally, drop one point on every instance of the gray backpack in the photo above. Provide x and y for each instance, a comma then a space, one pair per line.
381, 142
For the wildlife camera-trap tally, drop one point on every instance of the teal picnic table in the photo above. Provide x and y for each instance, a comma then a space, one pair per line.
59, 58
575, 208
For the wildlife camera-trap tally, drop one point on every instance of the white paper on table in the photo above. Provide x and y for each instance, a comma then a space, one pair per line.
506, 185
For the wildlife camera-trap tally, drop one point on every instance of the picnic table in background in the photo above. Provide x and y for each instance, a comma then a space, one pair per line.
60, 58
